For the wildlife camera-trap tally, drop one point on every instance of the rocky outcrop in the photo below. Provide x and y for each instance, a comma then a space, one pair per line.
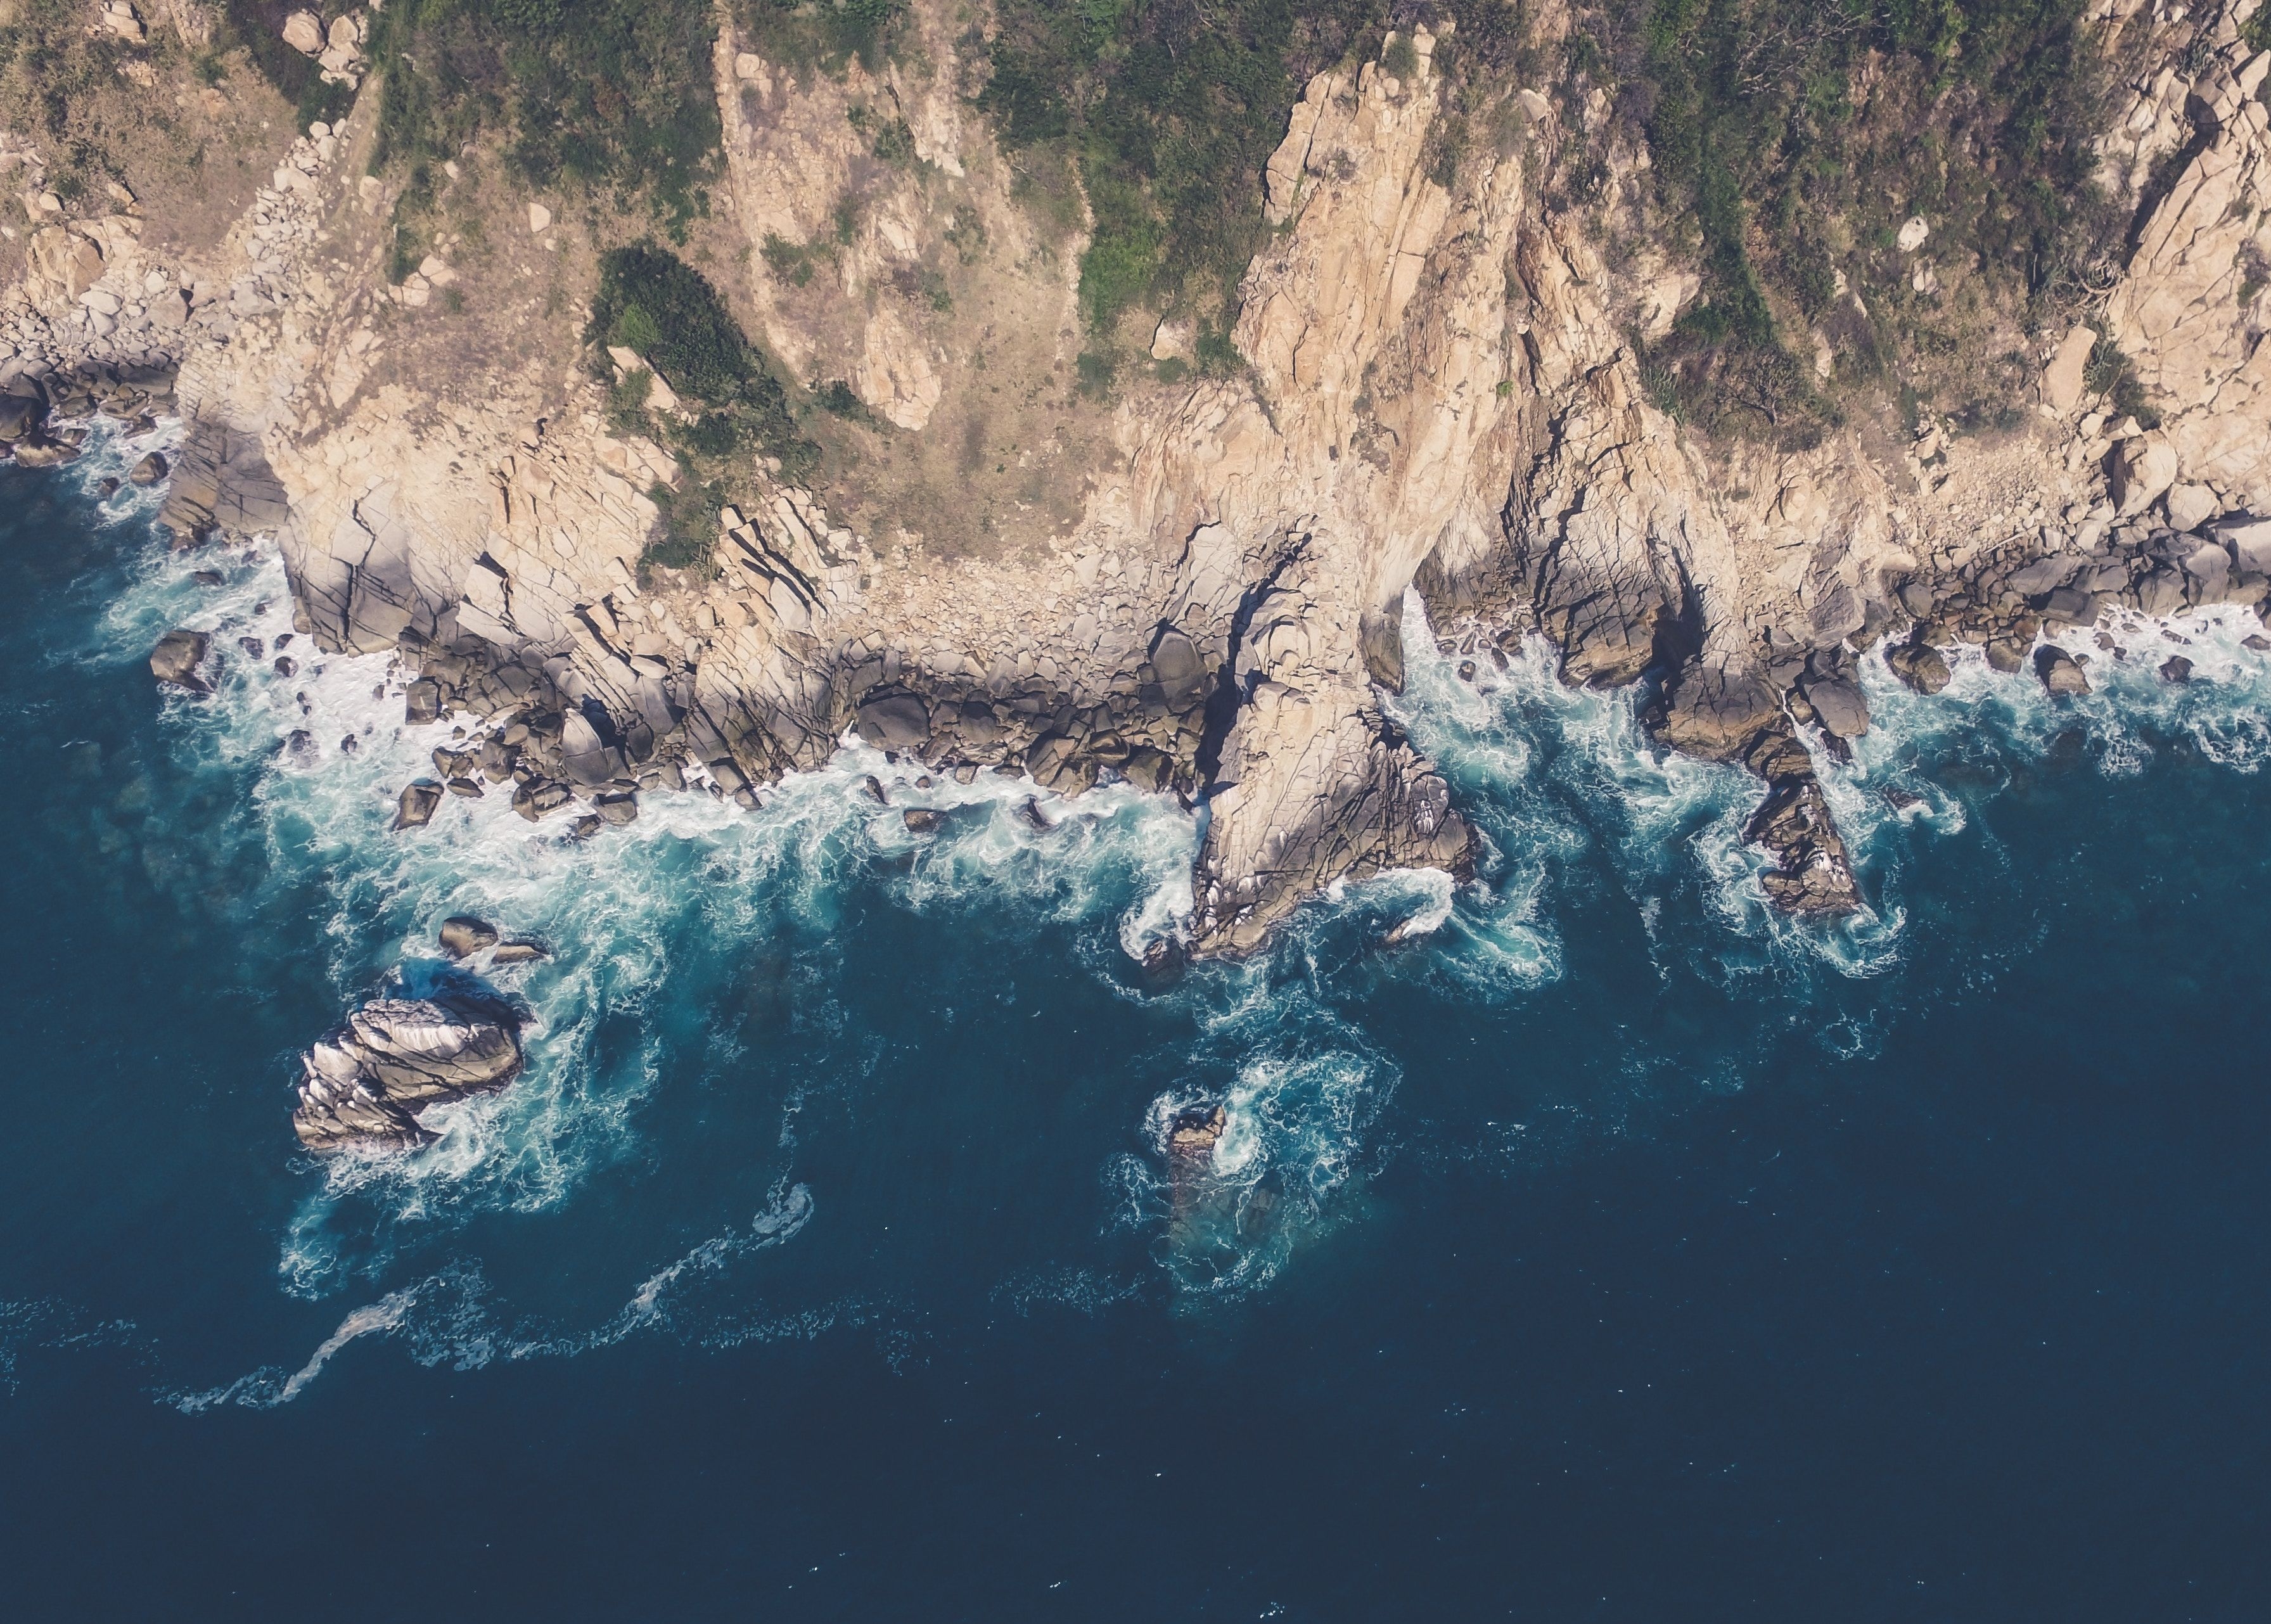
1440, 388
363, 1084
177, 657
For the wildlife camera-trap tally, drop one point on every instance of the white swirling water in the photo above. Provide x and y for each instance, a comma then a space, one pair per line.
646, 923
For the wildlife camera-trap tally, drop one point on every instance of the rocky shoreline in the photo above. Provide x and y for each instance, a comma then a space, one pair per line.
1438, 384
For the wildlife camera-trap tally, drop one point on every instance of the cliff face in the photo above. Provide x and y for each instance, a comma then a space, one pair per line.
1193, 581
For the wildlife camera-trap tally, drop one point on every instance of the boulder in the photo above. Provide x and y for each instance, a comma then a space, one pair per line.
421, 703
2190, 506
921, 819
20, 416
303, 32
2250, 541
1920, 665
285, 666
1716, 711
463, 936
2176, 669
2043, 575
1839, 705
2071, 606
363, 1083
2207, 573
149, 471
895, 722
2161, 592
2059, 672
1176, 661
177, 657
517, 953
416, 808
2007, 655
1381, 636
618, 809
2142, 466
1193, 1134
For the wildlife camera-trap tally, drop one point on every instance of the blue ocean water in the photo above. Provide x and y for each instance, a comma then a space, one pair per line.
1618, 1250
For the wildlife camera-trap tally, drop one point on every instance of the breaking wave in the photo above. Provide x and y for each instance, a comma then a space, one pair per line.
701, 948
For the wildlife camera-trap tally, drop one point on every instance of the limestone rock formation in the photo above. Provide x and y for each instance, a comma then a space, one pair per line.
363, 1083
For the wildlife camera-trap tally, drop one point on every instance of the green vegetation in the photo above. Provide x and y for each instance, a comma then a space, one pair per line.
1168, 111
257, 26
2112, 374
1976, 114
827, 34
610, 94
653, 303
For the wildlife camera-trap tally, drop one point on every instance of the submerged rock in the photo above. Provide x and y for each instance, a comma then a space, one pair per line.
177, 657
519, 952
363, 1083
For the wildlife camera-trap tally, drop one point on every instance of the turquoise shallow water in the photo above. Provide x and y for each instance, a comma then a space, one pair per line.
1619, 1250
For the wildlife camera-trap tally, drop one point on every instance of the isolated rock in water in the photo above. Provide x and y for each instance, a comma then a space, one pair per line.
617, 809
419, 801
1196, 1130
464, 936
517, 953
1920, 665
177, 657
363, 1083
921, 819
149, 471
2176, 669
2058, 672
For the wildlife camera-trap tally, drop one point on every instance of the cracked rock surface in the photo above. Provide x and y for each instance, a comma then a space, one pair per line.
363, 1083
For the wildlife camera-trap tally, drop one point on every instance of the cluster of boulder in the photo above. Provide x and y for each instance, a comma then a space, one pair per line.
41, 416
2004, 602
553, 750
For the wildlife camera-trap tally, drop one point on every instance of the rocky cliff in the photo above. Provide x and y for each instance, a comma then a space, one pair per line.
982, 541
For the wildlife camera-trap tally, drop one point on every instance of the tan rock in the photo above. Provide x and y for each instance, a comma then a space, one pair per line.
2062, 379
303, 32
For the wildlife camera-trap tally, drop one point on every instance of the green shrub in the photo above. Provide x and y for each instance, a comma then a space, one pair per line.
827, 34
1169, 113
1756, 142
613, 95
652, 301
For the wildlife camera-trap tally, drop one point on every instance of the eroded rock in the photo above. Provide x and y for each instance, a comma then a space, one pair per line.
363, 1083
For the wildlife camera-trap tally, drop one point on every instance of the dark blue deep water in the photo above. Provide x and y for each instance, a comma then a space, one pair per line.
1619, 1252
